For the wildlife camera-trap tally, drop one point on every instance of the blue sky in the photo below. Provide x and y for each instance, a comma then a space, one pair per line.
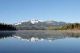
13, 11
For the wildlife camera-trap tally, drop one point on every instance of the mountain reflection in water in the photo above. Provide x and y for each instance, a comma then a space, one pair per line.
39, 42
37, 35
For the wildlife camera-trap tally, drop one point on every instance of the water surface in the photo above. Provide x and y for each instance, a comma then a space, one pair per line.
39, 42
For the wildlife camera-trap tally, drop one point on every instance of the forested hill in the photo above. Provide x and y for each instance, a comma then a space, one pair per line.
6, 27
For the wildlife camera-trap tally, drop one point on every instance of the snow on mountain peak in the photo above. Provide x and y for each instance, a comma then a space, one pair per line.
34, 21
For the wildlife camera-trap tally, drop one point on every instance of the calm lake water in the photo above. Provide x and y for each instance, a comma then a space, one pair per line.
39, 42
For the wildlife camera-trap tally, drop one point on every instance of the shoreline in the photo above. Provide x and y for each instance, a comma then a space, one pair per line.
68, 31
50, 31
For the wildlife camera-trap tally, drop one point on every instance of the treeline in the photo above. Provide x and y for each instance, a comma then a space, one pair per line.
6, 27
71, 26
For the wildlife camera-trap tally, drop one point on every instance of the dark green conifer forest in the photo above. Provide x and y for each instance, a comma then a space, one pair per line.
7, 27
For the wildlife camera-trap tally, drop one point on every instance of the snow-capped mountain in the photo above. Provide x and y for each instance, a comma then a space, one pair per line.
17, 23
38, 24
34, 21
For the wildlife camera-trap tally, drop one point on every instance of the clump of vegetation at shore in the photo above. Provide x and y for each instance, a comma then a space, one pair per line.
54, 27
6, 27
71, 26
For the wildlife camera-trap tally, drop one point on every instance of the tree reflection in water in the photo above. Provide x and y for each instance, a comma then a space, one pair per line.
37, 35
5, 34
42, 35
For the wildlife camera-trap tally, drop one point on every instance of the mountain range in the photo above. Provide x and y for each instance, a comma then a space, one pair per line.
38, 25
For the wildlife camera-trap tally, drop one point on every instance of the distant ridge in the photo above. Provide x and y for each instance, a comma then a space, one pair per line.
37, 24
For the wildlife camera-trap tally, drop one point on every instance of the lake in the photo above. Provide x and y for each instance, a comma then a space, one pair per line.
39, 41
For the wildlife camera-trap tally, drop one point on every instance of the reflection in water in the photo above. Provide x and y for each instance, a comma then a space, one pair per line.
38, 35
42, 35
5, 34
44, 42
75, 35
